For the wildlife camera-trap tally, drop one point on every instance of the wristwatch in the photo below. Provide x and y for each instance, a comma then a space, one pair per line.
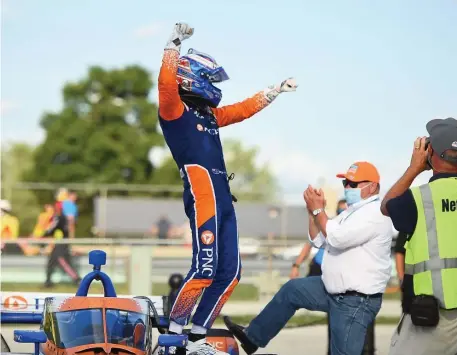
316, 212
295, 265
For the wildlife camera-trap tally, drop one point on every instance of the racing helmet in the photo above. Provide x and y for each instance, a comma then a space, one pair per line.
197, 72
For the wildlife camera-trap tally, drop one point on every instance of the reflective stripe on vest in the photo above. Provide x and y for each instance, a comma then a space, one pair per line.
423, 266
435, 263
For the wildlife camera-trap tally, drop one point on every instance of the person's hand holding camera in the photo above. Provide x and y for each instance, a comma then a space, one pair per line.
419, 157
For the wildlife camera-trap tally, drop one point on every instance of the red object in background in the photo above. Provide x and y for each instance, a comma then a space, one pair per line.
58, 207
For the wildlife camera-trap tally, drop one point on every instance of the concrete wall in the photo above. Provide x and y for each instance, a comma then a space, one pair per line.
137, 216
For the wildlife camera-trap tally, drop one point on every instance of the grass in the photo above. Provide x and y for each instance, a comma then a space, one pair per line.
243, 292
307, 320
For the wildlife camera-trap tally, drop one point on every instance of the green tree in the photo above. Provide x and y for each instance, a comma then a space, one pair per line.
17, 161
102, 135
104, 131
257, 183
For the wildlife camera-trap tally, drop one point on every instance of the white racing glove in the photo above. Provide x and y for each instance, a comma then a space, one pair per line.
181, 32
273, 91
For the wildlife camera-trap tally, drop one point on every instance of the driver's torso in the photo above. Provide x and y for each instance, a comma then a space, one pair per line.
194, 139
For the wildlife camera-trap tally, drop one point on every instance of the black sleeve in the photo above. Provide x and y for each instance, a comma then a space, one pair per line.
403, 212
400, 243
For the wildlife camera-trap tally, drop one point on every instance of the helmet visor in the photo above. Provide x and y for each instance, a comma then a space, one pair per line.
217, 75
201, 54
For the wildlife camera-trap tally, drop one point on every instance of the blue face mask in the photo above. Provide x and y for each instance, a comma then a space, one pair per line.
353, 196
339, 210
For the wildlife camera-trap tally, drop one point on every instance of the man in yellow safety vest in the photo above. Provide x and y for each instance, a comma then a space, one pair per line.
428, 215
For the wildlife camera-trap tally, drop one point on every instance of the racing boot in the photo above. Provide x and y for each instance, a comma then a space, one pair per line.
172, 350
238, 332
201, 347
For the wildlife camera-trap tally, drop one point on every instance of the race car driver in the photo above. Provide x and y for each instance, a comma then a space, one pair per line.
190, 120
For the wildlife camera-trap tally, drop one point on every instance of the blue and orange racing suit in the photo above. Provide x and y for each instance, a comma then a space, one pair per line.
192, 134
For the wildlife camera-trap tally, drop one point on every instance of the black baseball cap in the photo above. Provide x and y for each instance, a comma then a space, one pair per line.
443, 136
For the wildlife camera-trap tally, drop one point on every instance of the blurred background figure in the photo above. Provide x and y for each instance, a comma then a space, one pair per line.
342, 206
9, 228
44, 221
60, 255
162, 229
61, 195
70, 211
10, 223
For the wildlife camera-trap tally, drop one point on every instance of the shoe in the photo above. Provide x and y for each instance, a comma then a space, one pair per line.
173, 350
201, 347
238, 332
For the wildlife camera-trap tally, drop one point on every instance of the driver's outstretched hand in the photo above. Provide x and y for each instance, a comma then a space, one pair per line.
288, 85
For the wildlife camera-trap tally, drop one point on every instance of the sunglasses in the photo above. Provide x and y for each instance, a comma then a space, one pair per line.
351, 184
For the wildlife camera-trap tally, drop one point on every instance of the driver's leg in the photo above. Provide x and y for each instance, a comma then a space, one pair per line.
200, 205
228, 272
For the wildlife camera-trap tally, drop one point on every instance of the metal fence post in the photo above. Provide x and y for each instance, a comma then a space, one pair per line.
284, 224
140, 270
104, 212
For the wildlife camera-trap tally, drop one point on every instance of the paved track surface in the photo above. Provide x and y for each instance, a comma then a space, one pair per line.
296, 341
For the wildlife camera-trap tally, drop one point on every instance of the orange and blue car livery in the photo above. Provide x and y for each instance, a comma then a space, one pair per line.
192, 134
85, 325
108, 324
90, 325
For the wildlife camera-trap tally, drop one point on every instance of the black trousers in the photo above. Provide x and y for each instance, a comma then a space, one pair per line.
369, 347
61, 257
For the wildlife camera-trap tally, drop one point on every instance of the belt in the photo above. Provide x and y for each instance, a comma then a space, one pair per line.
359, 294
